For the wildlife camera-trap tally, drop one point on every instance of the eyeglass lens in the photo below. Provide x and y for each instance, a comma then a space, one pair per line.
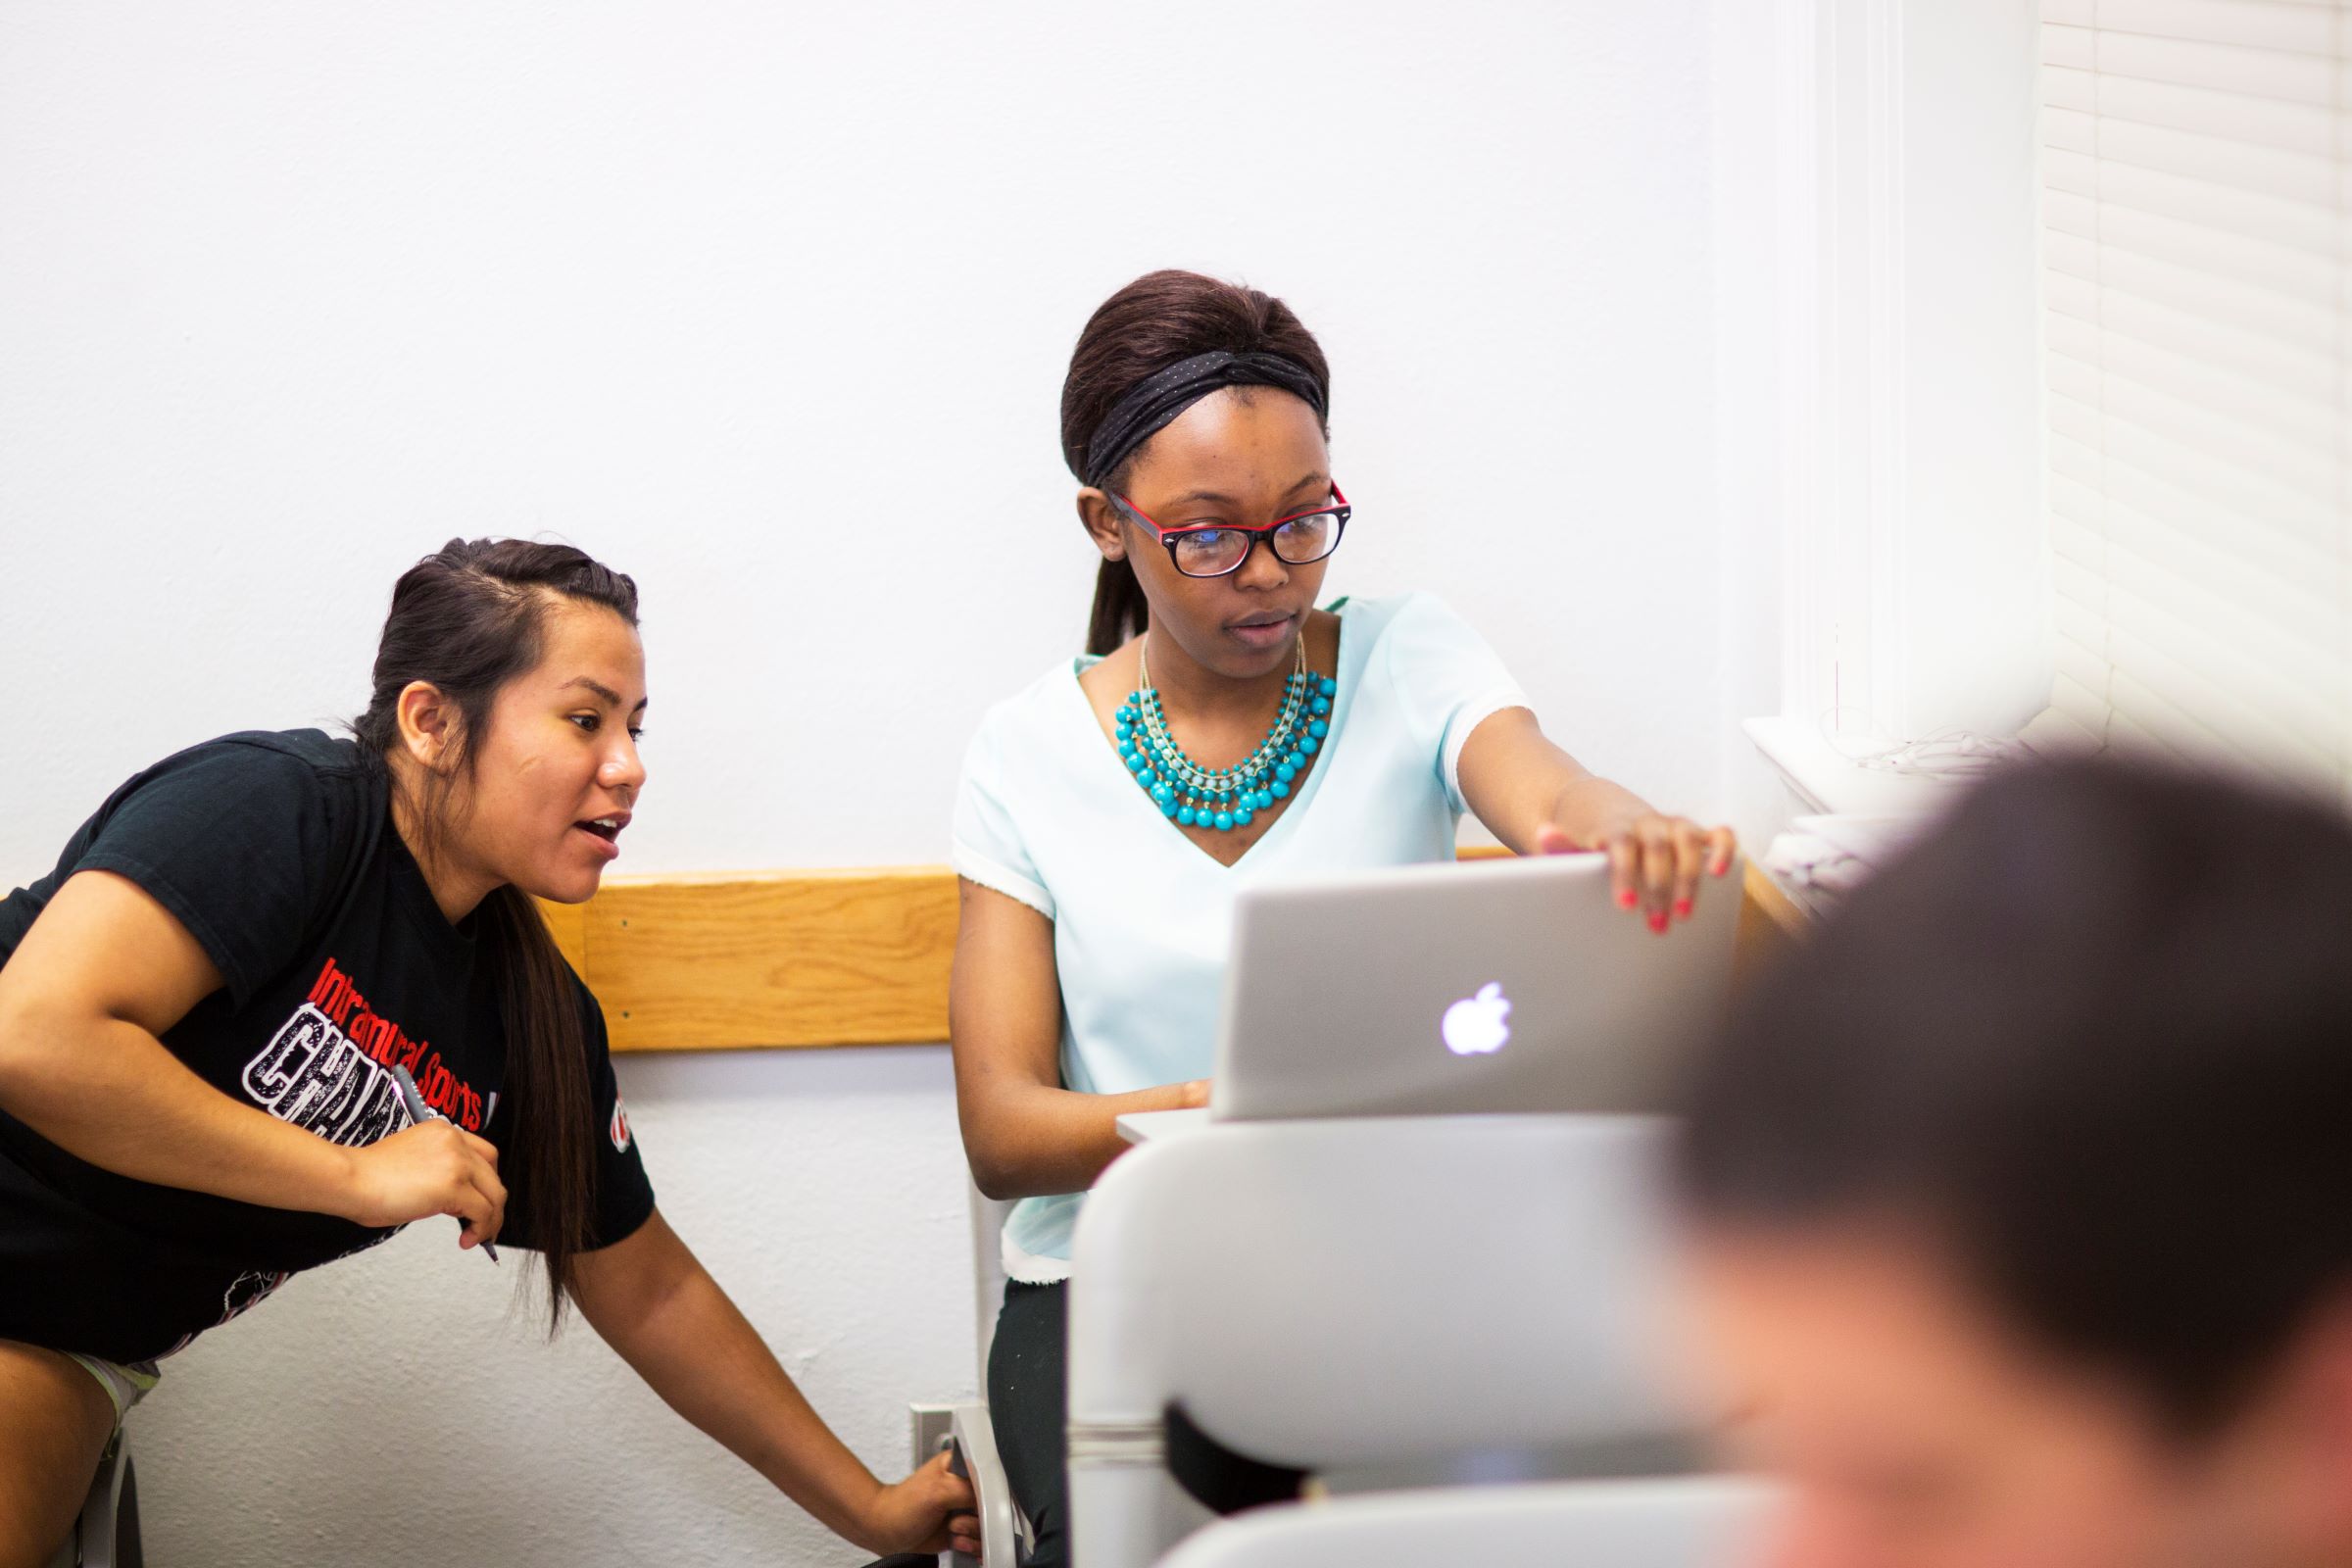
1212, 552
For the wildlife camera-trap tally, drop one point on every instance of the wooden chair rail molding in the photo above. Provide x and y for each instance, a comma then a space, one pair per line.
733, 960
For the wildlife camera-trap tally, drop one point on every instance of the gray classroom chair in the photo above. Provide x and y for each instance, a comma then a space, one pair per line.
1005, 1536
107, 1535
1386, 1304
1689, 1523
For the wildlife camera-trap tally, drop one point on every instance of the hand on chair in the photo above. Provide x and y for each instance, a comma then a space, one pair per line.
931, 1510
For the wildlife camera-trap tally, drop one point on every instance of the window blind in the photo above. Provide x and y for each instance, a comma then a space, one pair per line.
2196, 172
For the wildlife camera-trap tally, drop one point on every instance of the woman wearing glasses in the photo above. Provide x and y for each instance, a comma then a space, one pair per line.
1220, 730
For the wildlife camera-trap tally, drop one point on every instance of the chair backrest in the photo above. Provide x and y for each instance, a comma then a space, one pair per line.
1689, 1523
1343, 1294
988, 1271
107, 1533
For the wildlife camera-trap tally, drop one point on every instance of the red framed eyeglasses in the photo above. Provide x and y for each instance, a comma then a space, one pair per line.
1216, 549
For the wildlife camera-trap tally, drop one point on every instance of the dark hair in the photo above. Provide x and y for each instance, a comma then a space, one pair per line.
469, 618
2095, 1033
1152, 322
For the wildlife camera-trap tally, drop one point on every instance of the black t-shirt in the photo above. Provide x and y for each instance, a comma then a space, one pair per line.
279, 853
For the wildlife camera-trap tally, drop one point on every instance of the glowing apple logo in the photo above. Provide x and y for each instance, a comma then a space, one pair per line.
1478, 1026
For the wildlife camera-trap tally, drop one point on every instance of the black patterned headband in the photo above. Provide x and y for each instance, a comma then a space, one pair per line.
1155, 402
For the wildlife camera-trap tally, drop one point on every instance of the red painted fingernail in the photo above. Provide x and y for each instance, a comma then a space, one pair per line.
1682, 908
1626, 900
1658, 920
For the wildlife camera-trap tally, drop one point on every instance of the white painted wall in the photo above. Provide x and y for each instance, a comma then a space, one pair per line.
768, 306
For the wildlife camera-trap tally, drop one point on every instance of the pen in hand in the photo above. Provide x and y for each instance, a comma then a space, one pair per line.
420, 1111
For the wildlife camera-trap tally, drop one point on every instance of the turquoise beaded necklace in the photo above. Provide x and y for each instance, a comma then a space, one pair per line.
1223, 797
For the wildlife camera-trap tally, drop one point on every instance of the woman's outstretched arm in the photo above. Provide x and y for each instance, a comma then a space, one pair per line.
655, 1303
1540, 801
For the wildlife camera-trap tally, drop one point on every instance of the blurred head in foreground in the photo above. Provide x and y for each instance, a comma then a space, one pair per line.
2021, 1198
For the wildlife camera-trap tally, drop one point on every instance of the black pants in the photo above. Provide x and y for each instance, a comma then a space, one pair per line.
1028, 1407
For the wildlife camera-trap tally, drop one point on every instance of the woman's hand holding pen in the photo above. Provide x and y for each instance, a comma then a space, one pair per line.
434, 1167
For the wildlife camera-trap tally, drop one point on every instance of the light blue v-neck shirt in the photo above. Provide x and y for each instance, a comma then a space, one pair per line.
1143, 917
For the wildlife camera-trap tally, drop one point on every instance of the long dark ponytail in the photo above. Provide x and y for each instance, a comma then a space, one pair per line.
1152, 322
467, 619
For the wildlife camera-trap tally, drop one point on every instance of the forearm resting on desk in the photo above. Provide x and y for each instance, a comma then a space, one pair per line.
1028, 1139
1024, 1133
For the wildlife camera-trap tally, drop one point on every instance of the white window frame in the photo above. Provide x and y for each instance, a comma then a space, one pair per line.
1873, 219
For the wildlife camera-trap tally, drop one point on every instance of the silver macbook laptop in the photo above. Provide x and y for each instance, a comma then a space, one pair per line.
1508, 985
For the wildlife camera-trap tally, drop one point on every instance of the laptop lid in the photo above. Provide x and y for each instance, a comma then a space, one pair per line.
1505, 985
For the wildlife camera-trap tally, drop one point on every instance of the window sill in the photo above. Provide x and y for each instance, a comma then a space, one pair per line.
1827, 780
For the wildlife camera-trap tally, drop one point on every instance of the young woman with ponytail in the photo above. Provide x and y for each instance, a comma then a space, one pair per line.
207, 1008
1221, 730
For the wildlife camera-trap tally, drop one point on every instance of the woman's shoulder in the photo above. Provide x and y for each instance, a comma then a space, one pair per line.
1415, 657
1375, 613
1371, 624
1037, 708
269, 771
319, 796
290, 751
